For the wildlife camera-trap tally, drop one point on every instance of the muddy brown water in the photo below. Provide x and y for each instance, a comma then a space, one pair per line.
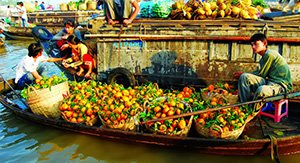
24, 141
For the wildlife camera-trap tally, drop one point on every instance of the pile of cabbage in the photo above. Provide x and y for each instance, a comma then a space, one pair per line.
159, 9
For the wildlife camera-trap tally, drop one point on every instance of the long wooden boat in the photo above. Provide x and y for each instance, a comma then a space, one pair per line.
187, 52
260, 139
52, 20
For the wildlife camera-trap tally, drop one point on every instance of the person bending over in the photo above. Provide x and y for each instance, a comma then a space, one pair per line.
28, 68
80, 51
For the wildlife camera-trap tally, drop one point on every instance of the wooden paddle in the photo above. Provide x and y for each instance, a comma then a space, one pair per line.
268, 99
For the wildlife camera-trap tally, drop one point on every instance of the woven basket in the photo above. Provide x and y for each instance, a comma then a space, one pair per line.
128, 125
232, 99
212, 133
183, 132
89, 123
46, 101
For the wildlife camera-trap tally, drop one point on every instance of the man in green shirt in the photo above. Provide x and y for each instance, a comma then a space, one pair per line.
272, 77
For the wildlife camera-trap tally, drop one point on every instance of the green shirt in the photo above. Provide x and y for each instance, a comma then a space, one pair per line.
274, 68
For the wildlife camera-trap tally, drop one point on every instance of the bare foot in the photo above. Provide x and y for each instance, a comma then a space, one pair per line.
79, 73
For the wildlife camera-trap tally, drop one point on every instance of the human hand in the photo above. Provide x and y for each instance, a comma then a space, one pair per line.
65, 65
237, 75
111, 22
64, 46
127, 21
65, 37
87, 75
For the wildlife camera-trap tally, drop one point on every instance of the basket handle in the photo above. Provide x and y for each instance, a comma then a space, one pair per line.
145, 104
31, 88
211, 129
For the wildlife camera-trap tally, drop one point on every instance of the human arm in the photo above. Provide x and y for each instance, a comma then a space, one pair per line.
78, 34
237, 75
36, 75
88, 74
60, 35
54, 59
109, 19
136, 7
265, 64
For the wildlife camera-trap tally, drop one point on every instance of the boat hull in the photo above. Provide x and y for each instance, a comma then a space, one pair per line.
286, 145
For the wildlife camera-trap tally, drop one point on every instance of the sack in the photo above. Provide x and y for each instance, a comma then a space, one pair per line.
46, 101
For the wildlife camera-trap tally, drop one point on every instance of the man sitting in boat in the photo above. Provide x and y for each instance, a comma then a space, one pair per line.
62, 36
80, 52
271, 78
118, 11
28, 68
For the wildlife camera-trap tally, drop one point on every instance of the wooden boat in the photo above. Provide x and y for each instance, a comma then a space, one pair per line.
259, 142
25, 33
52, 20
185, 52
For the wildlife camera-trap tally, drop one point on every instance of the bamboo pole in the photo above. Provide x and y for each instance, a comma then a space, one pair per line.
268, 99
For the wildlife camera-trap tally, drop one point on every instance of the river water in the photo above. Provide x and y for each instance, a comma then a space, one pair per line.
24, 141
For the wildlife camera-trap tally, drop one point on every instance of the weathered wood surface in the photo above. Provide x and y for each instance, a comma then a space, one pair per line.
192, 52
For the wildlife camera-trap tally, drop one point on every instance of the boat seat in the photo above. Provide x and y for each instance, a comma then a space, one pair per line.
276, 109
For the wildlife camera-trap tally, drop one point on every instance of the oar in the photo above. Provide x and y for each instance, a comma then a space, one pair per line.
14, 91
268, 99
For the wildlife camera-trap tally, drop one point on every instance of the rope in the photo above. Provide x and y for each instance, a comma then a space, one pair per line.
265, 29
274, 149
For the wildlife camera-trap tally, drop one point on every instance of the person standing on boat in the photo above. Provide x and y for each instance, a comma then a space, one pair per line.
42, 6
28, 68
36, 5
118, 11
62, 36
272, 77
22, 13
8, 15
80, 51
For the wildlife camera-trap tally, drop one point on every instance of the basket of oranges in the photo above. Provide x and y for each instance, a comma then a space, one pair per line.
227, 123
163, 107
219, 90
